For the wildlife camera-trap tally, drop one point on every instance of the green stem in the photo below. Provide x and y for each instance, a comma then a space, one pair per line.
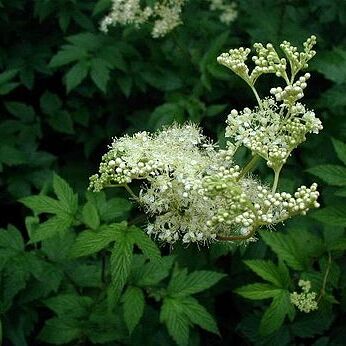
276, 179
257, 96
237, 237
129, 190
323, 288
249, 166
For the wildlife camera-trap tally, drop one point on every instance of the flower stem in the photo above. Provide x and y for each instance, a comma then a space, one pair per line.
257, 96
276, 179
249, 166
237, 237
129, 190
325, 277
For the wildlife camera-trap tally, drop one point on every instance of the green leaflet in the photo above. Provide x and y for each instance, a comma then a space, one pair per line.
295, 247
331, 174
55, 225
331, 215
133, 300
64, 208
275, 314
184, 284
340, 149
65, 194
179, 313
147, 246
89, 242
198, 314
268, 271
120, 264
176, 321
258, 291
60, 331
90, 216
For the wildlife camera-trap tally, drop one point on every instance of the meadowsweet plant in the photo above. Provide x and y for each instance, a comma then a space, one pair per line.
164, 15
191, 189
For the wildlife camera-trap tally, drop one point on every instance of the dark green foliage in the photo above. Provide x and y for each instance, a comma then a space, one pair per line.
76, 267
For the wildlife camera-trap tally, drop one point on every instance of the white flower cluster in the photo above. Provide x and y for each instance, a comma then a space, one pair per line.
277, 125
306, 300
228, 10
165, 15
193, 191
273, 130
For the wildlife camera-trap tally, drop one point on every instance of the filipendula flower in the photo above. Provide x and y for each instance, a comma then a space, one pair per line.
192, 190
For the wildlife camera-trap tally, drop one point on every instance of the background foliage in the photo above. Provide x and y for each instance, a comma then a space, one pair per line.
75, 266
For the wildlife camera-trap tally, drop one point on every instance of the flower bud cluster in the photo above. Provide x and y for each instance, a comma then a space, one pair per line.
299, 59
291, 93
306, 300
245, 204
235, 60
267, 60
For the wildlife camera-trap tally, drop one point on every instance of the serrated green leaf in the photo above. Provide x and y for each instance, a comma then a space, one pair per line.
312, 324
99, 73
101, 5
198, 314
120, 263
43, 204
71, 305
48, 229
11, 239
268, 271
86, 40
285, 248
89, 242
65, 194
332, 64
333, 215
90, 216
11, 155
175, 320
114, 208
340, 148
60, 331
258, 291
21, 111
154, 272
183, 285
331, 174
215, 110
50, 103
133, 300
76, 75
147, 246
125, 84
61, 121
6, 85
7, 75
68, 54
274, 316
